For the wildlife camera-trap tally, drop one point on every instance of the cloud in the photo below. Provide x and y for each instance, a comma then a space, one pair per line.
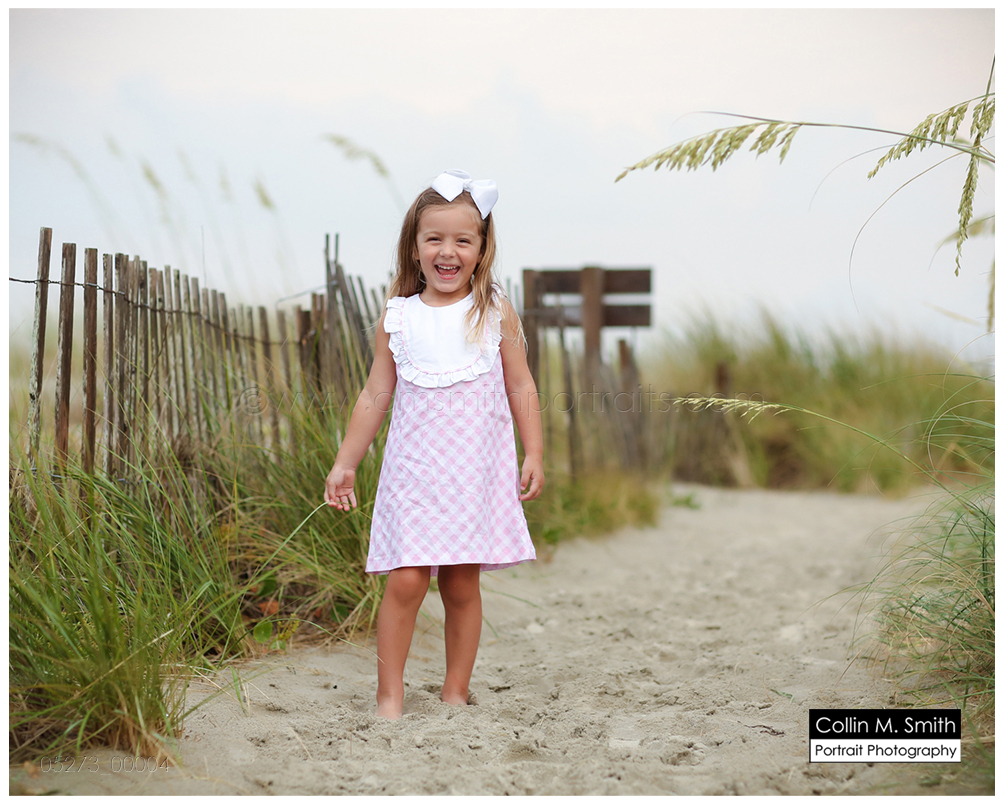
636, 66
552, 104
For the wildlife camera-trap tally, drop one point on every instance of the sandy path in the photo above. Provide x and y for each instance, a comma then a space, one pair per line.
680, 659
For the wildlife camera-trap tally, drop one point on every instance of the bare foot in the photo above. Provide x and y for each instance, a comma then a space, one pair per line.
455, 698
390, 708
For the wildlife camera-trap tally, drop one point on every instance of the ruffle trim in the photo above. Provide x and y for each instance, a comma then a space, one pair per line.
394, 326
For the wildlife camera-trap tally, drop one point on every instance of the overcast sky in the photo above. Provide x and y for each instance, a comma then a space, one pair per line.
149, 131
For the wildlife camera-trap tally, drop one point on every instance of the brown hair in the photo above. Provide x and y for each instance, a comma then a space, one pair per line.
409, 281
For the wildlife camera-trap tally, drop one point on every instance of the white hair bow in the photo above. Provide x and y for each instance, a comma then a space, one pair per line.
451, 183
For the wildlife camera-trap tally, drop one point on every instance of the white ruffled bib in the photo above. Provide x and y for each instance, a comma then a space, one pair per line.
430, 344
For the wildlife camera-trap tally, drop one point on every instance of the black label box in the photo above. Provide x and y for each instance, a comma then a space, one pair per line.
885, 735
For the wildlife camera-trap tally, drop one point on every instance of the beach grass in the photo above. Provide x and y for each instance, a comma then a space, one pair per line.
109, 600
933, 600
206, 553
914, 395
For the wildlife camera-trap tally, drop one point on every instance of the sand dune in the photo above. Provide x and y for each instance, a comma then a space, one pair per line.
679, 659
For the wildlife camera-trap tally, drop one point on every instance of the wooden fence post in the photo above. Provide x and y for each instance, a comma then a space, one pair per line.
180, 322
252, 350
287, 374
210, 355
337, 355
545, 388
167, 350
270, 383
306, 339
531, 303
574, 444
155, 347
90, 356
351, 308
318, 350
230, 351
592, 322
218, 307
137, 403
121, 348
38, 345
64, 352
361, 294
143, 406
171, 355
240, 361
193, 394
108, 430
630, 384
531, 324
203, 404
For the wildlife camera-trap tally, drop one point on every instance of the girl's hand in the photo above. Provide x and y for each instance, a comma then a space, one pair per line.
531, 482
339, 489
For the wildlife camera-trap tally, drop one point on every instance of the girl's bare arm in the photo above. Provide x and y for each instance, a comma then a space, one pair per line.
370, 409
524, 403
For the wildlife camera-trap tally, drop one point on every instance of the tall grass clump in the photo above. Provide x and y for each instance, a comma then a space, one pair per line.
109, 598
934, 598
937, 612
870, 382
308, 560
121, 588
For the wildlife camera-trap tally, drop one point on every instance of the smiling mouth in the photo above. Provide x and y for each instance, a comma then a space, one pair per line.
448, 271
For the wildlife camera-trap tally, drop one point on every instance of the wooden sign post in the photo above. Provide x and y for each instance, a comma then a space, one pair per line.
592, 284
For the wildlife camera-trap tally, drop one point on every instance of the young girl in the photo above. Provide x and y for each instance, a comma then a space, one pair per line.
450, 350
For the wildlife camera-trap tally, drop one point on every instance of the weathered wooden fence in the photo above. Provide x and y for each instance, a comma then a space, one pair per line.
174, 363
169, 365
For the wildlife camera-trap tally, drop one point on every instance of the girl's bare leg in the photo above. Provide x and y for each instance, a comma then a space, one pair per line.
460, 587
406, 588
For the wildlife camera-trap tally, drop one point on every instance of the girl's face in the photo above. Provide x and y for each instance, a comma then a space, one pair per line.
448, 248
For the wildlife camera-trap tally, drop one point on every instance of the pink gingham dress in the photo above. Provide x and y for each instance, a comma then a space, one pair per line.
449, 484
